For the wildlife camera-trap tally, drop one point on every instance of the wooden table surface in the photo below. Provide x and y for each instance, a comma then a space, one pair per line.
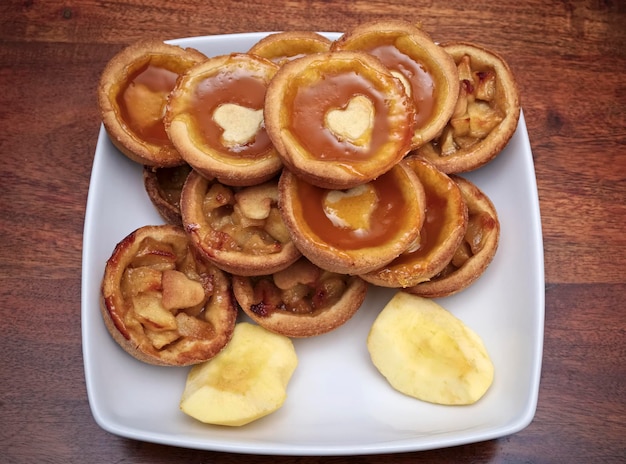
569, 57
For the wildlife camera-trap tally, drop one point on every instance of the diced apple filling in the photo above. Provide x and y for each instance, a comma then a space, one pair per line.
476, 113
246, 220
301, 288
166, 295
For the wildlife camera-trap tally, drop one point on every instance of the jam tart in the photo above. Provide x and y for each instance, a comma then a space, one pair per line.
161, 303
132, 95
356, 230
239, 229
281, 47
338, 119
486, 114
442, 231
427, 72
302, 300
214, 118
475, 252
164, 186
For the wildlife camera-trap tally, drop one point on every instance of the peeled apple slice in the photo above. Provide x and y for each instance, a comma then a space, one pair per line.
427, 353
244, 382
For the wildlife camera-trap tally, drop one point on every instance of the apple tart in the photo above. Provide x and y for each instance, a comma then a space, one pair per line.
301, 300
427, 72
338, 119
281, 47
164, 186
476, 250
215, 119
239, 229
441, 233
486, 113
132, 95
161, 303
356, 230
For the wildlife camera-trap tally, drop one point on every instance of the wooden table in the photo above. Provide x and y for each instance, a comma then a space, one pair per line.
570, 61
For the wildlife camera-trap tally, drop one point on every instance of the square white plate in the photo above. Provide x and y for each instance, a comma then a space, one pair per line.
338, 404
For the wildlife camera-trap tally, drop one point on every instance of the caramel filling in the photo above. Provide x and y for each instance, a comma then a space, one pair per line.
311, 103
348, 234
235, 88
142, 102
432, 229
421, 86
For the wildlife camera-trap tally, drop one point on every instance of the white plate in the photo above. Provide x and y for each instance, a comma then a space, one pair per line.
338, 404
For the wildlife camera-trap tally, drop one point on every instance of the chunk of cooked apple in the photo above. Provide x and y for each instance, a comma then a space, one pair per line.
179, 291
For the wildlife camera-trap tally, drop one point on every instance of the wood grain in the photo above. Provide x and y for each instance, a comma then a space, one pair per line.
569, 58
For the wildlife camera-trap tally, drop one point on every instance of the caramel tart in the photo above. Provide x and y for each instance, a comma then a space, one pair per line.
163, 186
215, 119
132, 95
239, 229
485, 116
475, 252
281, 47
161, 303
442, 231
427, 72
356, 230
338, 119
301, 300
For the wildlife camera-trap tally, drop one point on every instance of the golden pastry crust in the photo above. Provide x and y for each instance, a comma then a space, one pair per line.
356, 230
338, 119
215, 119
300, 301
475, 252
485, 117
132, 94
240, 230
428, 73
161, 303
443, 229
282, 47
163, 186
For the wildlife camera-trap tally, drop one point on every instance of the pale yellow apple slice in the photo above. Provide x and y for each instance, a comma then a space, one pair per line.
427, 353
247, 380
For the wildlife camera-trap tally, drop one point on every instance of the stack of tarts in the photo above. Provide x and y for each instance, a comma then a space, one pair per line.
295, 175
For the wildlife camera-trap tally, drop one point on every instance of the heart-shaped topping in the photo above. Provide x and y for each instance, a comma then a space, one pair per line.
353, 208
239, 123
353, 123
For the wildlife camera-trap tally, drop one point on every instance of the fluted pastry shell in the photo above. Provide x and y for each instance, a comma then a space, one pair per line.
300, 301
338, 119
475, 252
356, 230
164, 186
215, 119
145, 312
442, 231
425, 69
239, 229
132, 94
486, 114
281, 47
